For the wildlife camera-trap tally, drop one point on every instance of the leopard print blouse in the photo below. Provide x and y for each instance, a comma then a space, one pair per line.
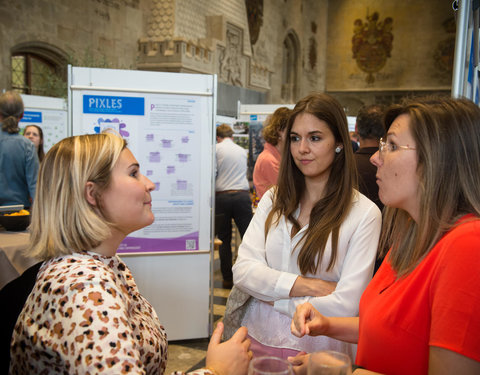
85, 315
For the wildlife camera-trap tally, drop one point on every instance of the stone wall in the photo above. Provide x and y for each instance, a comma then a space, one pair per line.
213, 37
307, 20
83, 31
416, 45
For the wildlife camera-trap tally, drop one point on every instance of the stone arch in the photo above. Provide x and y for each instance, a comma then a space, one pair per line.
39, 68
290, 66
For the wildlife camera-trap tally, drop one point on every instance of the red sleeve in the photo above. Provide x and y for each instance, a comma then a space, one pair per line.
455, 293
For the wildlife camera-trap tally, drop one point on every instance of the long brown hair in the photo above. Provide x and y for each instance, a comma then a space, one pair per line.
329, 212
11, 111
447, 136
40, 150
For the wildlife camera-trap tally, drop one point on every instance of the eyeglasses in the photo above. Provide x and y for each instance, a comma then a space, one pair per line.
384, 147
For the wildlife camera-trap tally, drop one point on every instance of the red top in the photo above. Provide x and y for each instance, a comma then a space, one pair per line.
437, 304
265, 173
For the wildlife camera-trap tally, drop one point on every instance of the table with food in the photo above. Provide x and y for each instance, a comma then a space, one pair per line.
14, 239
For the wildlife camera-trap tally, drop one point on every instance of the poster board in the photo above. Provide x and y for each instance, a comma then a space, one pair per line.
250, 119
225, 120
48, 113
351, 120
168, 121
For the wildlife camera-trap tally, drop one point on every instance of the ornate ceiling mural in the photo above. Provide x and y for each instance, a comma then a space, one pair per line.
372, 44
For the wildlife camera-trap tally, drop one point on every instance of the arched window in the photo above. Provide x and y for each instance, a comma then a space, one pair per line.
290, 68
39, 69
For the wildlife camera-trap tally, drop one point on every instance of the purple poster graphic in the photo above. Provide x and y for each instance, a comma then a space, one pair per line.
163, 132
146, 245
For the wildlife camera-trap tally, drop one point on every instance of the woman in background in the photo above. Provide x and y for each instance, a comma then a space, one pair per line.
35, 134
85, 313
265, 173
313, 237
421, 312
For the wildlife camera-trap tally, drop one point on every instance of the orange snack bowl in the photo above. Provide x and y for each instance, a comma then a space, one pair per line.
15, 223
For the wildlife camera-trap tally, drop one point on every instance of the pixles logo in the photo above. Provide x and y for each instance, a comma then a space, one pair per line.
105, 103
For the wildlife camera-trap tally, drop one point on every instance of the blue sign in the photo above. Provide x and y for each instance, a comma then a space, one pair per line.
115, 105
30, 116
253, 117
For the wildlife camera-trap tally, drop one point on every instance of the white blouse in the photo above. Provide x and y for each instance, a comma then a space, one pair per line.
266, 268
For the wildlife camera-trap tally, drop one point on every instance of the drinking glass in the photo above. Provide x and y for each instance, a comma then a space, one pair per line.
269, 366
329, 362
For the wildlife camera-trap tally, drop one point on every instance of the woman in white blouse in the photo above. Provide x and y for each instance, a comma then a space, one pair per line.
313, 238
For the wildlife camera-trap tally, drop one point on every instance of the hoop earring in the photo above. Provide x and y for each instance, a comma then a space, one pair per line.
338, 149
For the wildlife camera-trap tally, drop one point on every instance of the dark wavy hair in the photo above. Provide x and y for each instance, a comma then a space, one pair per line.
369, 123
329, 212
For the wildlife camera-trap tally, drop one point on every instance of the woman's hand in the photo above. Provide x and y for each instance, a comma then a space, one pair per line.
299, 363
308, 321
230, 357
312, 287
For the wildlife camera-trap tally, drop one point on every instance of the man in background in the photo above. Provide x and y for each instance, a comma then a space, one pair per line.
232, 196
18, 156
370, 129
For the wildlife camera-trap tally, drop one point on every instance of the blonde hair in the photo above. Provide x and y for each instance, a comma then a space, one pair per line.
63, 221
329, 212
447, 137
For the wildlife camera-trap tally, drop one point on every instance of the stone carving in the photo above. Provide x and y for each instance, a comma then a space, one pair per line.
229, 59
161, 19
372, 43
255, 18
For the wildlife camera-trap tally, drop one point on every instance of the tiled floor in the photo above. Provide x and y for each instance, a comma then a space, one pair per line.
187, 355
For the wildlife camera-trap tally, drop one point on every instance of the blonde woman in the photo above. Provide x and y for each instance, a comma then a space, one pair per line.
85, 313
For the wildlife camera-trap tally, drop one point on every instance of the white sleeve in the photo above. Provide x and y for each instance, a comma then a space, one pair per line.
356, 272
251, 273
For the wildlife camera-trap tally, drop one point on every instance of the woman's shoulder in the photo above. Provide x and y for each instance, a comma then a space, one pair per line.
84, 268
267, 199
362, 205
466, 231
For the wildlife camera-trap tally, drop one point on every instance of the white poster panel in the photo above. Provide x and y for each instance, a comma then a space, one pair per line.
168, 121
50, 114
163, 132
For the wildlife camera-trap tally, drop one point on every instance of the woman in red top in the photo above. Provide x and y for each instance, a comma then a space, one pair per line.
421, 312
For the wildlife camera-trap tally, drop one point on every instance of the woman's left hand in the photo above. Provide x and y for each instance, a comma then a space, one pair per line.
312, 287
230, 357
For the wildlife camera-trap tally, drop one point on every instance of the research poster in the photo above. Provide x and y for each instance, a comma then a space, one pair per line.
162, 131
53, 123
